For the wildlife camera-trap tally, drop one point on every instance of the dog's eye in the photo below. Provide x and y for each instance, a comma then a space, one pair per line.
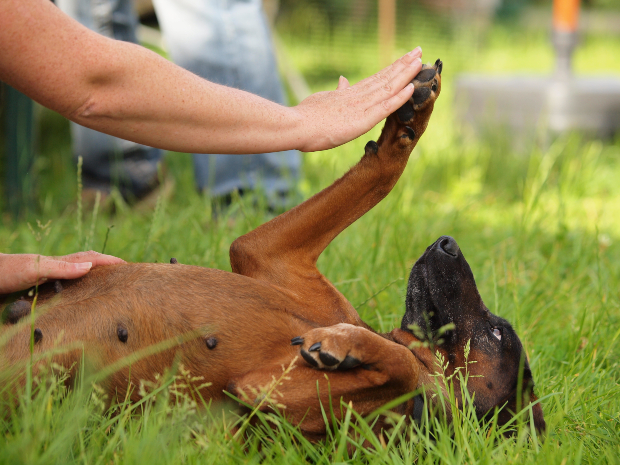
497, 333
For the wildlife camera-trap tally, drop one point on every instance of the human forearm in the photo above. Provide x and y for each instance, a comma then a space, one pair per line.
194, 115
151, 101
127, 91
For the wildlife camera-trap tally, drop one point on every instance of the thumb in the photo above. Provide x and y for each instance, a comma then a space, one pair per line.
60, 269
343, 83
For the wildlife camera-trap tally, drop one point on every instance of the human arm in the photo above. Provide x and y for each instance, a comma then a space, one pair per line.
21, 271
130, 92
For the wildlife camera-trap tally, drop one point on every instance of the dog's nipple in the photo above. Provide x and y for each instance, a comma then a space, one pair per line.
211, 343
122, 334
38, 335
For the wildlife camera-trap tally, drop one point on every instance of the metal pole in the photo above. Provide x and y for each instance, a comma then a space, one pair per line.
565, 20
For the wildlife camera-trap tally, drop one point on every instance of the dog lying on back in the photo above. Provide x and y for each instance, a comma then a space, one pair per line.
276, 309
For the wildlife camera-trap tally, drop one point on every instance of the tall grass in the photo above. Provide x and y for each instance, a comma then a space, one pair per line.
541, 231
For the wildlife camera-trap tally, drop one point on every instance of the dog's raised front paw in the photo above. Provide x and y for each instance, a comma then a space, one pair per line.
427, 85
336, 347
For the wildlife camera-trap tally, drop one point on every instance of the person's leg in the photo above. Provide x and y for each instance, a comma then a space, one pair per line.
229, 42
108, 160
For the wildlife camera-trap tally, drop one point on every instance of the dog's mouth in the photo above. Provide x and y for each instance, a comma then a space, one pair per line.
441, 293
445, 313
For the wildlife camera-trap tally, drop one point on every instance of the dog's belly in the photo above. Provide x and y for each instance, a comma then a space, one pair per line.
219, 325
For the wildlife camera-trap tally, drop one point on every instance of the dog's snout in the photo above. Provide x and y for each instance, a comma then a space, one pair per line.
447, 245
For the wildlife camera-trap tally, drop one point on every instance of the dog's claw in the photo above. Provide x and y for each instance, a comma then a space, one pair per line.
410, 132
174, 261
57, 287
297, 341
38, 335
314, 347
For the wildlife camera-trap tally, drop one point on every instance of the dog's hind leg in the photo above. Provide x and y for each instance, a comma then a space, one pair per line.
285, 250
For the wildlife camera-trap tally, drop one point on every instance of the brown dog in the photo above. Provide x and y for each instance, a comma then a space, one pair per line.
242, 323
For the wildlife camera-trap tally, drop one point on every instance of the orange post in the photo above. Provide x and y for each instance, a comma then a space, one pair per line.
565, 15
387, 31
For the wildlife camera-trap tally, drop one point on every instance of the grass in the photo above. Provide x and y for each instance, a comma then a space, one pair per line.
540, 230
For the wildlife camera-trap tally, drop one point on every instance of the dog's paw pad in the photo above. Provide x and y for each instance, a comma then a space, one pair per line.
426, 75
421, 95
348, 363
320, 358
328, 359
405, 113
371, 148
427, 85
309, 358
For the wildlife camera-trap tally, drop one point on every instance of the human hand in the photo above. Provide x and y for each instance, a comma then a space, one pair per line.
21, 271
333, 118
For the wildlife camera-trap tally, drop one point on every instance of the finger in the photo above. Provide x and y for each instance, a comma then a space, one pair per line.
382, 95
28, 270
388, 106
405, 76
96, 258
343, 83
52, 268
404, 65
21, 271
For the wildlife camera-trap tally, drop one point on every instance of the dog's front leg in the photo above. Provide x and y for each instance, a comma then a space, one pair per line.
284, 251
338, 363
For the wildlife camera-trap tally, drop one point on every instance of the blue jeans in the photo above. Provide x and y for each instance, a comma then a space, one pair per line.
229, 42
224, 41
109, 160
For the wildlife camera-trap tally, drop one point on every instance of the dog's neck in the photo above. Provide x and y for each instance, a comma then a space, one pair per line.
427, 370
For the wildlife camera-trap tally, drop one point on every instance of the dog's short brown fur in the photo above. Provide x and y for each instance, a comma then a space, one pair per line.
247, 319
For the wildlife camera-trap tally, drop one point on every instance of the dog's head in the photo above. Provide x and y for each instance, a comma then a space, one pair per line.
445, 311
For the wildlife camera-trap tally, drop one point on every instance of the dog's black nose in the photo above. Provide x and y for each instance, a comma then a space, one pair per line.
447, 245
